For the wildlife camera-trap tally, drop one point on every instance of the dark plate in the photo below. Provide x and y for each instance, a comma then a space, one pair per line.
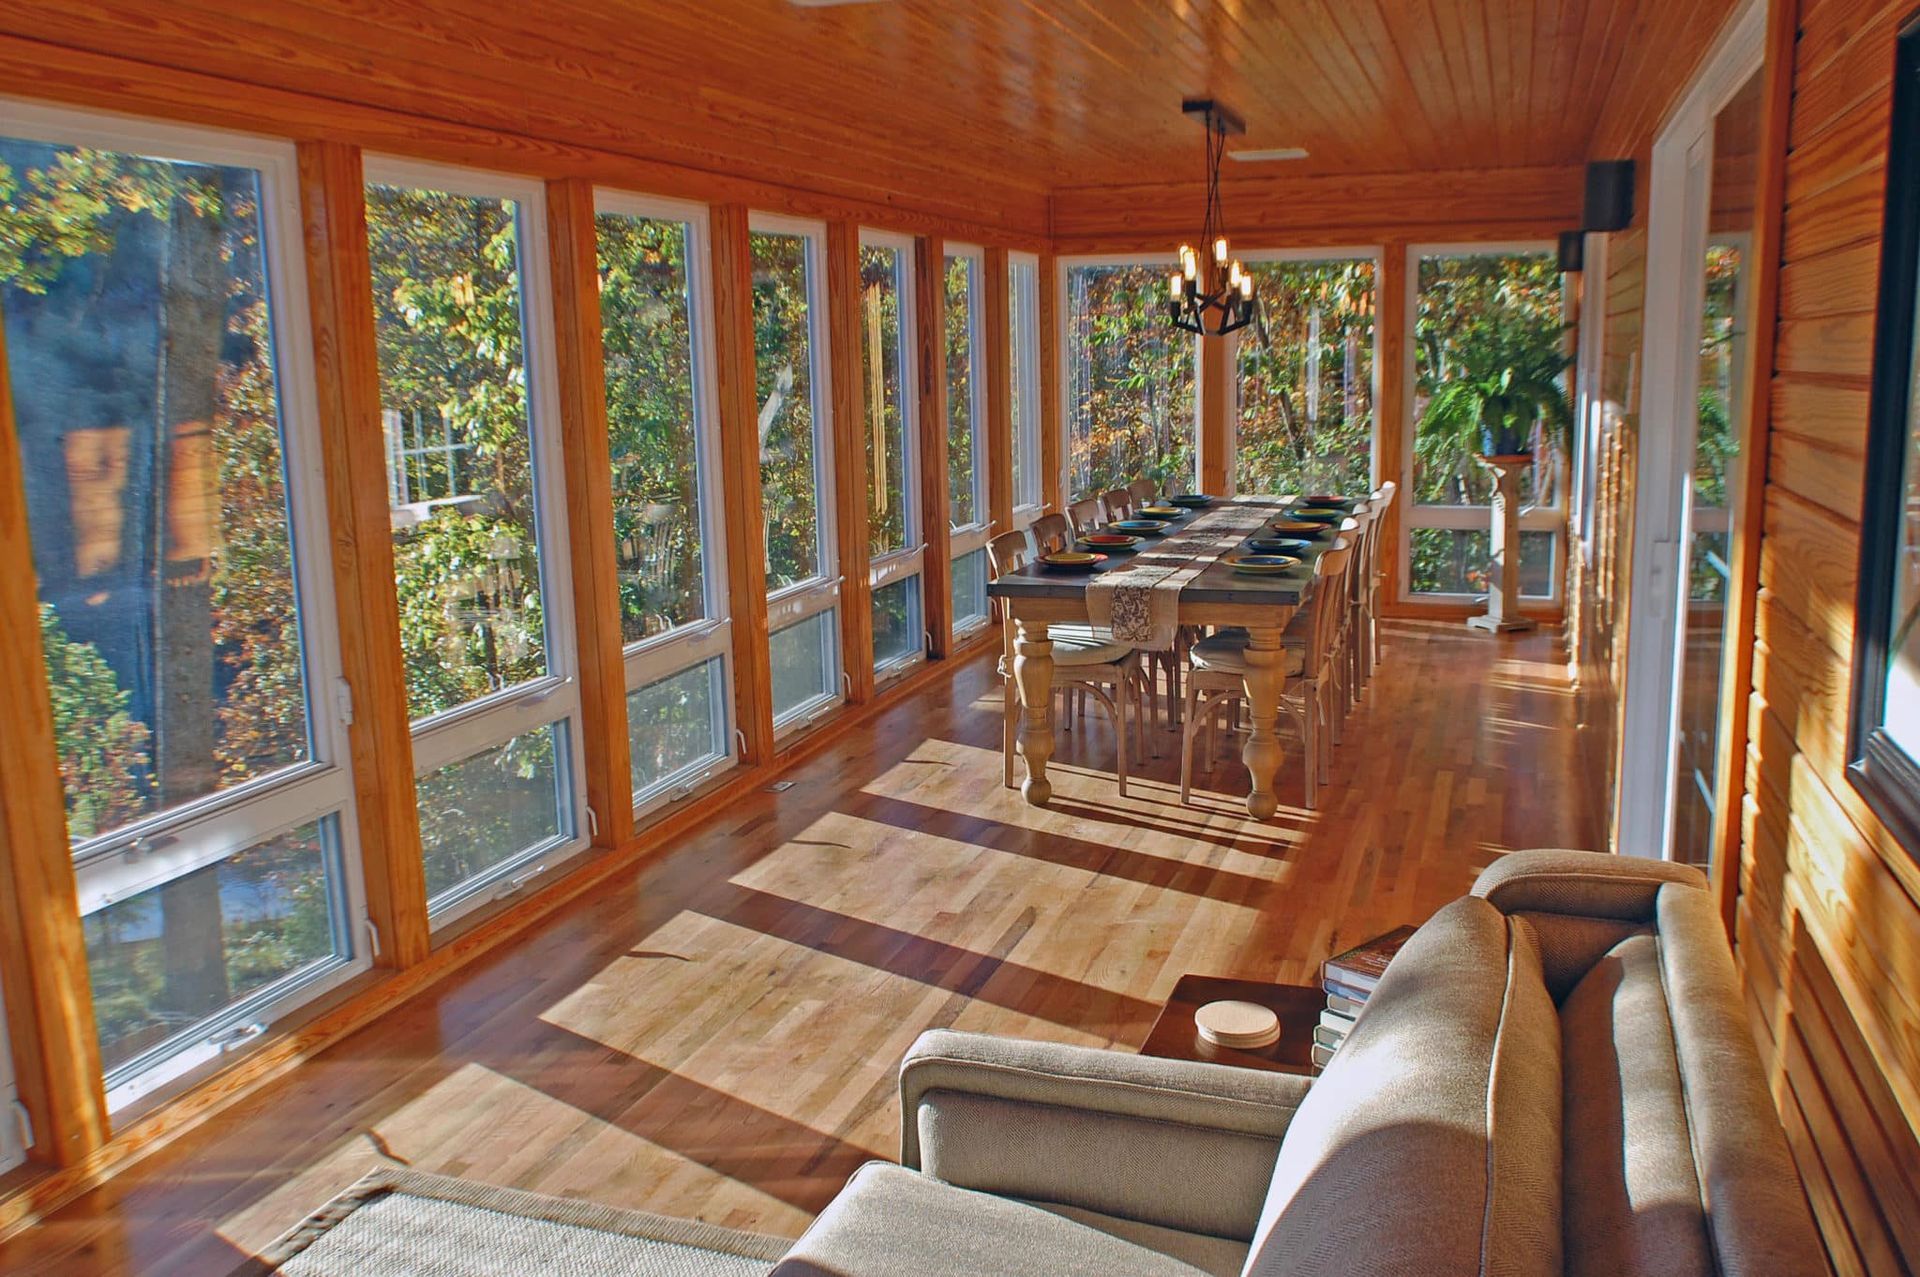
1191, 500
1278, 545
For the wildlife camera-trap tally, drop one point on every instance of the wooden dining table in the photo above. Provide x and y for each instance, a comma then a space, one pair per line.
1038, 596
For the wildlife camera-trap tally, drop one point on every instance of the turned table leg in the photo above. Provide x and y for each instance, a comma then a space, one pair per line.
1033, 675
1265, 677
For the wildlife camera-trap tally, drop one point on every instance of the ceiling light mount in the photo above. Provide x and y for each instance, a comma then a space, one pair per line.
1211, 293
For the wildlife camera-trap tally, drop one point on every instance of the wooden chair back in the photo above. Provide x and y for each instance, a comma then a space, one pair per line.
1366, 522
1085, 516
1008, 552
1330, 572
1051, 533
1118, 504
1142, 491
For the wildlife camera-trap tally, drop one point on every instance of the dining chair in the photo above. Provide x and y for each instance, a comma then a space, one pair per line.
1218, 666
1142, 491
1376, 576
1117, 503
1085, 516
1085, 660
1051, 534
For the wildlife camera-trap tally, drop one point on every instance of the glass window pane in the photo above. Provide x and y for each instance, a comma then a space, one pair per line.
1131, 411
487, 811
1023, 329
898, 632
804, 664
652, 432
883, 274
166, 960
446, 296
963, 439
791, 480
970, 589
1306, 379
677, 723
1479, 317
142, 363
1460, 561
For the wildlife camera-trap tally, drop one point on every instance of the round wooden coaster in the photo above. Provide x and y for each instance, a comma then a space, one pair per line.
1241, 1025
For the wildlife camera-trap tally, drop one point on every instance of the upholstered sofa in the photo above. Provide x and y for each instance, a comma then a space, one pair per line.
1554, 1076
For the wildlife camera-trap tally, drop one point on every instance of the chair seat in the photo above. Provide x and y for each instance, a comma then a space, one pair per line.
1226, 653
1078, 645
889, 1220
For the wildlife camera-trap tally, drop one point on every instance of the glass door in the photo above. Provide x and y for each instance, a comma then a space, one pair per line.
12, 1138
1724, 268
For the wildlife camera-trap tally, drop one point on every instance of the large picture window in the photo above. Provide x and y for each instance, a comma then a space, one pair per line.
1131, 406
966, 437
672, 595
463, 328
1305, 378
1479, 311
789, 308
1023, 382
893, 529
156, 329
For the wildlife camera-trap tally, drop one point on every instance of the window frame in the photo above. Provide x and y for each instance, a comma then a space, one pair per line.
1023, 381
692, 644
967, 538
1166, 263
809, 597
170, 844
464, 731
1376, 254
909, 561
1471, 518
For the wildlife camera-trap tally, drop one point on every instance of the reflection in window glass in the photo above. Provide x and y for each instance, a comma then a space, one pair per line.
652, 432
1131, 411
1478, 316
144, 395
970, 590
898, 632
446, 295
1306, 379
500, 804
676, 723
882, 287
963, 386
1460, 561
265, 915
804, 665
1023, 382
790, 477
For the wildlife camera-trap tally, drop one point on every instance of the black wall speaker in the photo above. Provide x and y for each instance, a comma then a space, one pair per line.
1573, 252
1609, 196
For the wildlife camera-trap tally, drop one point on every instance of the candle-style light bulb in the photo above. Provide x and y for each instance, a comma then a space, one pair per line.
1220, 250
1190, 266
1233, 276
1175, 285
1246, 288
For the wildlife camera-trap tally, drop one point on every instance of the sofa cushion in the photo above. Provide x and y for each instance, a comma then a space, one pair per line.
889, 1220
1632, 1193
1431, 1144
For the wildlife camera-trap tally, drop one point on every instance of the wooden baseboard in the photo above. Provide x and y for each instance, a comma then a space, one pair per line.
36, 1192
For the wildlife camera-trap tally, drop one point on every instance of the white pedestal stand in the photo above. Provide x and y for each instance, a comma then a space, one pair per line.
1503, 600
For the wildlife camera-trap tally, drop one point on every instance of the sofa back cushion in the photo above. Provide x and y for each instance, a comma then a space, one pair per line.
1431, 1144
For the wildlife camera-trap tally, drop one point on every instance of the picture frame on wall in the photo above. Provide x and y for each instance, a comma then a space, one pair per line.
1884, 719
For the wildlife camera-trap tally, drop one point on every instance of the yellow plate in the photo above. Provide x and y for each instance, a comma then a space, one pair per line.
1262, 564
1069, 559
1161, 511
1320, 511
1297, 525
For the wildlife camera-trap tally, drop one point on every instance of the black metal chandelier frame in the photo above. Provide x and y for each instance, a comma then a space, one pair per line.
1210, 293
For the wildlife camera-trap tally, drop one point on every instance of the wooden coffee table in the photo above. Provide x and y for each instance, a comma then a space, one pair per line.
1298, 1006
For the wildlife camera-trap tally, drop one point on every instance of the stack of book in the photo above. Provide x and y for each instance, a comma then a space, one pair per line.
1350, 979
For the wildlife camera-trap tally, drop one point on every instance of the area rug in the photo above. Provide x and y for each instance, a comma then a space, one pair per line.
401, 1223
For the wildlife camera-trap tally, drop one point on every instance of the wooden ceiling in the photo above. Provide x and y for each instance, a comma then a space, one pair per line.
969, 105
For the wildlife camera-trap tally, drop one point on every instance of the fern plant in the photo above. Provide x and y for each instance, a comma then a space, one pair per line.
1500, 387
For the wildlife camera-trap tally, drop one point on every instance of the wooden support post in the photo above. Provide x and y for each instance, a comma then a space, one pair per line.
1392, 407
43, 951
850, 457
581, 368
746, 529
930, 327
1214, 470
1052, 424
996, 330
354, 458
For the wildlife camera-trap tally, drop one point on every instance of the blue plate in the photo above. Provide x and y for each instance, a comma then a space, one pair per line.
1140, 527
1279, 545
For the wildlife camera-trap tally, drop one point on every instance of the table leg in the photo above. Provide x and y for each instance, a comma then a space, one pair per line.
1033, 674
1265, 677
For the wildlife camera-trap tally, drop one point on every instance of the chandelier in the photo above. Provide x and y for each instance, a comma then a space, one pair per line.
1211, 293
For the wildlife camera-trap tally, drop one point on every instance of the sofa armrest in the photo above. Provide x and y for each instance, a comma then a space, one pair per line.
1586, 884
1173, 1143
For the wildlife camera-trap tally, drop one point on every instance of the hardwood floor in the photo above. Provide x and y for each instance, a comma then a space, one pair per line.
715, 1033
